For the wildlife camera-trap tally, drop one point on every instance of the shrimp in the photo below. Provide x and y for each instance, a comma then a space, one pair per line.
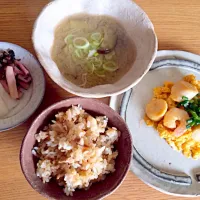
156, 109
174, 115
183, 88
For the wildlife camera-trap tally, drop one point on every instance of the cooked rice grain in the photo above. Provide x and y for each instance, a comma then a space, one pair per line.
76, 149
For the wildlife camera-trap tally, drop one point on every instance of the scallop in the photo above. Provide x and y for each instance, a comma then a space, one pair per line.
156, 109
183, 88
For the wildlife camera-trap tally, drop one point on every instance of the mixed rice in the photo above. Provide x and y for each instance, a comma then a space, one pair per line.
76, 149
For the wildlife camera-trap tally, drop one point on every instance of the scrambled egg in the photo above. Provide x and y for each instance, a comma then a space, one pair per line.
183, 143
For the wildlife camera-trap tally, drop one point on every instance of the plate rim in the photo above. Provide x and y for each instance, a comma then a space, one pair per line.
181, 56
43, 93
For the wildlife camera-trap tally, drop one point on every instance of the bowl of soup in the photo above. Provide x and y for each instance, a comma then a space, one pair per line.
95, 48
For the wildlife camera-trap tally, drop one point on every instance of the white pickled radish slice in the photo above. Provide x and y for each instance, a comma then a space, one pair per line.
10, 77
196, 133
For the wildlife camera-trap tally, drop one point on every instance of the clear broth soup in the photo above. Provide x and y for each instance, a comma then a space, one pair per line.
92, 50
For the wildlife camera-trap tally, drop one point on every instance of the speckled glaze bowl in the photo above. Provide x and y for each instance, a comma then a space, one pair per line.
135, 21
98, 190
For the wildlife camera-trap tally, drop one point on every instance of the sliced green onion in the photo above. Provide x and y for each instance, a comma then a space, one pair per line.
86, 51
110, 66
90, 68
96, 36
69, 39
96, 54
96, 61
95, 43
81, 43
79, 53
100, 73
110, 55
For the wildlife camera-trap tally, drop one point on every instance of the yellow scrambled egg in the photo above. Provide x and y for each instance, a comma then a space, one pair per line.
183, 143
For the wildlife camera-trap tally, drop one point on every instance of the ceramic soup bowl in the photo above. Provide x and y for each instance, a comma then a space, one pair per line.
135, 22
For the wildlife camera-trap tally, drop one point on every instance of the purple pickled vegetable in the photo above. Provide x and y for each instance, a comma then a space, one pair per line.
12, 85
17, 71
26, 79
22, 67
14, 76
23, 84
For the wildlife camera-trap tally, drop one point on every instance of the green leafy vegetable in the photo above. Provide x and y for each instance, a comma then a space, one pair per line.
184, 98
193, 108
190, 120
193, 114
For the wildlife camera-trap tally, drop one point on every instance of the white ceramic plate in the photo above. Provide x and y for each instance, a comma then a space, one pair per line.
22, 109
135, 21
154, 161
